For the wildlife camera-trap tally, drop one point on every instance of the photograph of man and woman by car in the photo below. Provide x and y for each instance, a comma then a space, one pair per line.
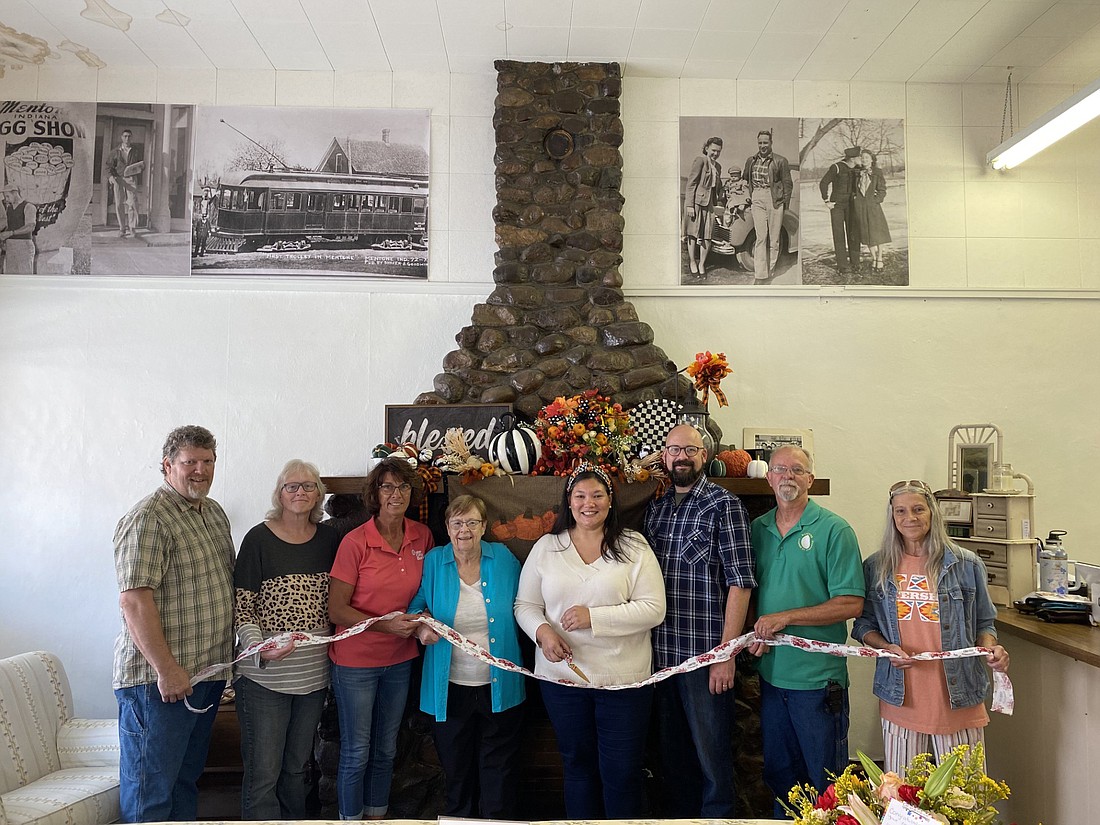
793, 201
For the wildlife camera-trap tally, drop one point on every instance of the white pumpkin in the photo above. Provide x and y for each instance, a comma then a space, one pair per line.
516, 451
757, 468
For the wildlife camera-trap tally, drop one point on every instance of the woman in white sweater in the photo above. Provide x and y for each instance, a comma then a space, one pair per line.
589, 593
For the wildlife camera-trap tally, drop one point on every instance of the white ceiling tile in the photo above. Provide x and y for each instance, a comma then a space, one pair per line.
536, 12
397, 12
779, 56
1064, 17
722, 69
466, 37
683, 14
739, 15
229, 44
875, 19
349, 12
613, 43
987, 32
538, 42
1028, 51
602, 14
352, 48
168, 46
661, 44
723, 45
412, 39
924, 30
821, 99
1082, 54
804, 16
997, 74
1054, 74
290, 44
822, 69
471, 12
937, 73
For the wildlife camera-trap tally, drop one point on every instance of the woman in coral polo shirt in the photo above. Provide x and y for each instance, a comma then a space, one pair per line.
377, 571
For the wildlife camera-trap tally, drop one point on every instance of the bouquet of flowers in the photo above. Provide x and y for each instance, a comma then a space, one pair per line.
708, 371
955, 792
584, 427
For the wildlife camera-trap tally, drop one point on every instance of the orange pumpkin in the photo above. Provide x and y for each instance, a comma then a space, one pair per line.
736, 461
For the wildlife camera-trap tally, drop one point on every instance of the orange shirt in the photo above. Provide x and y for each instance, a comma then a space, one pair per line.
927, 706
383, 581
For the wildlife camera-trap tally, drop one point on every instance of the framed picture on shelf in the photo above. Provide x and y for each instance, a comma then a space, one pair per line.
769, 439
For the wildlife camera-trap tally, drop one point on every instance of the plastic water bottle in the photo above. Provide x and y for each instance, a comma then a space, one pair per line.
1053, 564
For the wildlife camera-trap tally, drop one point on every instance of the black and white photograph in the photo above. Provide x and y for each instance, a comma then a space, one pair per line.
318, 192
766, 440
48, 152
855, 224
140, 205
739, 201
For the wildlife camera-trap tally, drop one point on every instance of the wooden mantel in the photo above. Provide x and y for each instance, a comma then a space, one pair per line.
737, 486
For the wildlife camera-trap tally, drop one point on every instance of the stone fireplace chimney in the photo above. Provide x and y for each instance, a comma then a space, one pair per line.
557, 322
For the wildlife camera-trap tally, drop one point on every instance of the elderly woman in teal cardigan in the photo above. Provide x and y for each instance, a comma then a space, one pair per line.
471, 585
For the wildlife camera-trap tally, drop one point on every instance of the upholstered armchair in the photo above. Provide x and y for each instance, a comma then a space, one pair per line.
54, 769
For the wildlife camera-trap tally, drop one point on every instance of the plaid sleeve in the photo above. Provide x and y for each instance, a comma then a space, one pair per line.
141, 556
734, 544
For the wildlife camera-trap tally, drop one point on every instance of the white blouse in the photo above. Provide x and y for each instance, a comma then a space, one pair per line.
625, 599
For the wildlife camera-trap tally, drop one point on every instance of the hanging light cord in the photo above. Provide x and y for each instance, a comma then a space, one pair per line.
1007, 115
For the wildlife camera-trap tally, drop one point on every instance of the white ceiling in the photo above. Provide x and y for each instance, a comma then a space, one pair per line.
949, 41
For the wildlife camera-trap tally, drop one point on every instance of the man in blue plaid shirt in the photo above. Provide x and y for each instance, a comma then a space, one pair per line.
700, 535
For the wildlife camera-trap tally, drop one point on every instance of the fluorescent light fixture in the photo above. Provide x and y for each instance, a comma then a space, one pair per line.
1064, 118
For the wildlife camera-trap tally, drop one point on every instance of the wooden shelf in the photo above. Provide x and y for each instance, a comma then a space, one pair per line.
737, 486
759, 486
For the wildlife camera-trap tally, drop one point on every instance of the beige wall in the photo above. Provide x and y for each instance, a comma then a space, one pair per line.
95, 372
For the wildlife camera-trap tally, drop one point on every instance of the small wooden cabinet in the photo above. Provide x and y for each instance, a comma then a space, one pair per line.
1002, 536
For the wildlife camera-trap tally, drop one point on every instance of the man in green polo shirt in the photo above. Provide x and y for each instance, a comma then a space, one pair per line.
810, 583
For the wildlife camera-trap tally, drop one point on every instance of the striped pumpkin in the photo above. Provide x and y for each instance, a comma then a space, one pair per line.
516, 451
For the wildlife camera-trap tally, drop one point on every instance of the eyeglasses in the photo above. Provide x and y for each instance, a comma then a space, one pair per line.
782, 470
388, 489
899, 486
295, 486
469, 524
675, 449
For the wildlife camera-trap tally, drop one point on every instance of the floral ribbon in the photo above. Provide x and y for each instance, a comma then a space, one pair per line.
431, 477
1003, 699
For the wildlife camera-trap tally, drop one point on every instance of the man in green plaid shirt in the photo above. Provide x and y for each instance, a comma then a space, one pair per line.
174, 565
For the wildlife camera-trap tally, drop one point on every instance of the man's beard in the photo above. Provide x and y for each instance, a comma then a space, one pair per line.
787, 492
685, 475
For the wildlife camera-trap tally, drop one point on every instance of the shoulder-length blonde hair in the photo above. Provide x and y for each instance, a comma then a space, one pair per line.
294, 466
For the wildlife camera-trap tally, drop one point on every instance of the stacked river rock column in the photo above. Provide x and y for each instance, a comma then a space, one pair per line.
557, 323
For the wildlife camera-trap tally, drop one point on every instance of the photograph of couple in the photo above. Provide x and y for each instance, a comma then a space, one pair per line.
814, 202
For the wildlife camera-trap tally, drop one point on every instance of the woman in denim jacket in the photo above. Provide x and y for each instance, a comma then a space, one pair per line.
926, 594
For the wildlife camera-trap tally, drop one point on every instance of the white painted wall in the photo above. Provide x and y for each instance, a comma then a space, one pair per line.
95, 372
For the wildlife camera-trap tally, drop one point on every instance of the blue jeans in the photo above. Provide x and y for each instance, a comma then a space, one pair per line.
803, 738
277, 731
163, 750
601, 735
696, 736
370, 702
